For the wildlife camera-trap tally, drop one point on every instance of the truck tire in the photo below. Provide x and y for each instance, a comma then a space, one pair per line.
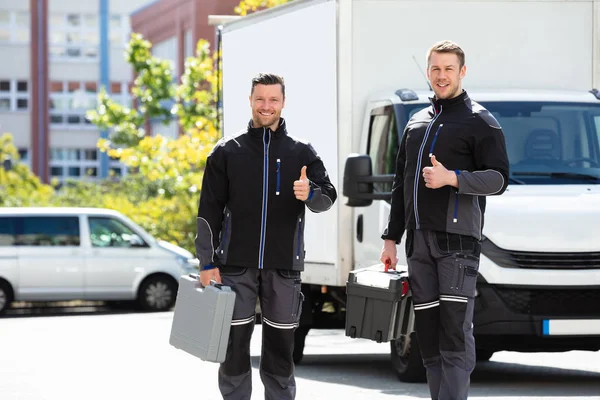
483, 355
406, 359
299, 341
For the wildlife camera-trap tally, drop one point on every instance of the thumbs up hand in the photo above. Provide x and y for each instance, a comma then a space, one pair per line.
438, 176
301, 186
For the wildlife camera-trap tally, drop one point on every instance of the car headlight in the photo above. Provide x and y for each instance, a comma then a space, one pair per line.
188, 264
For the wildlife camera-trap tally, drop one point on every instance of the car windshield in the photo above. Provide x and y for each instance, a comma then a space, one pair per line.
549, 142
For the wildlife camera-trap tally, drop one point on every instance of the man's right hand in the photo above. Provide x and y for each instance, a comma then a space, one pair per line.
389, 252
208, 275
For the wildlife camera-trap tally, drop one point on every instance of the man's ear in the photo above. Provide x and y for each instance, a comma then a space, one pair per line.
250, 100
463, 71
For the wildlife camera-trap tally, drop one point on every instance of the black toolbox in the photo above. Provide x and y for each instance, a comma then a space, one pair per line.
378, 305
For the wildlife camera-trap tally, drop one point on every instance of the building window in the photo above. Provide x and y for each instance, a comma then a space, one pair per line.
14, 95
119, 30
14, 26
70, 163
74, 36
69, 101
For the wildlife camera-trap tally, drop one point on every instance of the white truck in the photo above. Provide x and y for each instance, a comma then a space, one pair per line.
354, 73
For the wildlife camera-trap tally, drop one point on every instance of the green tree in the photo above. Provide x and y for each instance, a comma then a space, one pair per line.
161, 193
248, 6
19, 187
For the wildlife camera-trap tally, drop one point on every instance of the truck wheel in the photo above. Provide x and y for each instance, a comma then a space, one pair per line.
406, 359
299, 341
483, 355
157, 293
5, 296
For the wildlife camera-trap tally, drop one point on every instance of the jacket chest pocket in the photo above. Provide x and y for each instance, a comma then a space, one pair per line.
282, 176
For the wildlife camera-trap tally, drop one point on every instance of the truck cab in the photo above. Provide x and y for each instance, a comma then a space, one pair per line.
538, 287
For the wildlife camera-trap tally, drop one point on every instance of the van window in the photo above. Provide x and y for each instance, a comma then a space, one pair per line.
47, 231
110, 232
7, 231
383, 144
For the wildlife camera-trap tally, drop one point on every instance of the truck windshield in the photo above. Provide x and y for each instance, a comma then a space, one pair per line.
547, 142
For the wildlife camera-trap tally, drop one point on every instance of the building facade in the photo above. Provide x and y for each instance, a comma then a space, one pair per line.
57, 55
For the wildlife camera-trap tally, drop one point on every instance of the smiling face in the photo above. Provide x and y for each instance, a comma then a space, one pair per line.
266, 102
445, 74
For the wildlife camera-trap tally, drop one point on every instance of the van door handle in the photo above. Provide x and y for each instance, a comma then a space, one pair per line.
359, 228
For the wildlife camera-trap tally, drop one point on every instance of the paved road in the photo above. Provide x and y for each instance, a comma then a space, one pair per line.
127, 357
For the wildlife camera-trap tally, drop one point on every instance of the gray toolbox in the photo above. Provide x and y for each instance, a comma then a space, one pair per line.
202, 319
378, 304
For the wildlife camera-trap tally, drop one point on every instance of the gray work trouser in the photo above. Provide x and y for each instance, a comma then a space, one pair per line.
443, 271
281, 298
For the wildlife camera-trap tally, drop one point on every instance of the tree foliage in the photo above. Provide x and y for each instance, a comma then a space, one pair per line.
248, 6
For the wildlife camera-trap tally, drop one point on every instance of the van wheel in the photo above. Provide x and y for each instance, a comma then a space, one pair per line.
406, 359
6, 296
157, 293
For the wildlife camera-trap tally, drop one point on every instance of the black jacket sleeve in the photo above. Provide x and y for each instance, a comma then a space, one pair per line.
397, 222
491, 161
322, 192
213, 198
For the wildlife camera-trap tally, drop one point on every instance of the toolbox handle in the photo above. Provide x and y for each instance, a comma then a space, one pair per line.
212, 282
388, 264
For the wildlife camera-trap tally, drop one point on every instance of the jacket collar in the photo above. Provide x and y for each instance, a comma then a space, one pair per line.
259, 132
461, 99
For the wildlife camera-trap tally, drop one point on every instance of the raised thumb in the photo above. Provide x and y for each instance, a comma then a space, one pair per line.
434, 161
303, 176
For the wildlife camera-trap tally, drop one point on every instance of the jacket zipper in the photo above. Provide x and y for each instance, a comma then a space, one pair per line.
278, 176
299, 239
434, 139
455, 217
419, 159
224, 241
263, 224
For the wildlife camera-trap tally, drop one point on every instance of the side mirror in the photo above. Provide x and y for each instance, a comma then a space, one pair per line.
359, 179
358, 166
136, 241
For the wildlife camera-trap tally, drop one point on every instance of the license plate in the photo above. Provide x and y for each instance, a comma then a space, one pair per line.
571, 327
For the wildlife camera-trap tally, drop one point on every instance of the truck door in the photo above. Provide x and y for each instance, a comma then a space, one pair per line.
382, 147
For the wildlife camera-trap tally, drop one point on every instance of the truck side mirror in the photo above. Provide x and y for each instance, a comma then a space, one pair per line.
356, 189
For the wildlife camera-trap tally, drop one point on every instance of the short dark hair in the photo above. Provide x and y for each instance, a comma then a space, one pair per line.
447, 46
268, 79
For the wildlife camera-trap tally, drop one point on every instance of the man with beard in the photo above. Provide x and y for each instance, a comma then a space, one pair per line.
250, 236
452, 155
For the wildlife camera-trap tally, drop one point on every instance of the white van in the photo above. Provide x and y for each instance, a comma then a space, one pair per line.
62, 254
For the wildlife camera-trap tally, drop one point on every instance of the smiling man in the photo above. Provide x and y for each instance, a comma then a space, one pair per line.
452, 155
256, 188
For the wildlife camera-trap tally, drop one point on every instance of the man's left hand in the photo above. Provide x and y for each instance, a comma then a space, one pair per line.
301, 186
438, 176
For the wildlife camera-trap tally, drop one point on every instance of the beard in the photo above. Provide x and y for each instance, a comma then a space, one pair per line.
450, 92
264, 121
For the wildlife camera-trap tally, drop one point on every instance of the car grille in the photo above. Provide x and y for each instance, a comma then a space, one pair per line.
552, 302
526, 259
